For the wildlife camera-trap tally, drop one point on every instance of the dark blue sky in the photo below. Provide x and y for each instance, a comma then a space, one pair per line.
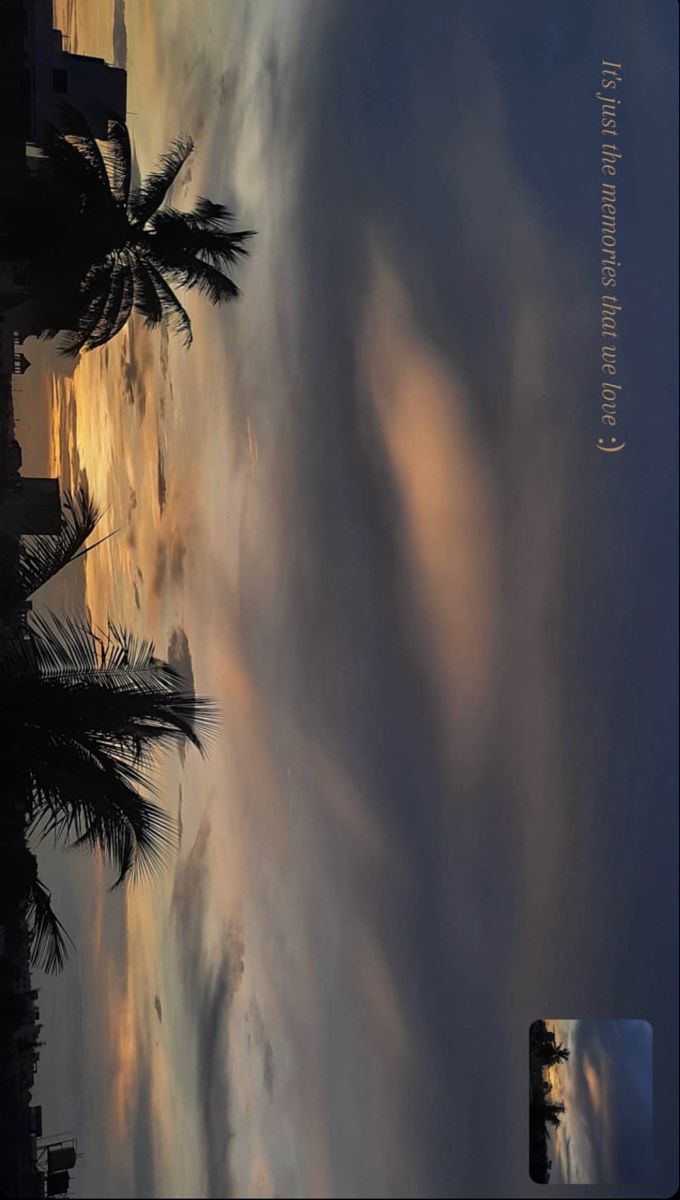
607, 1089
416, 110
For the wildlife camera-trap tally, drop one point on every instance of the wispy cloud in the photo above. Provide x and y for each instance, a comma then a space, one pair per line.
210, 986
607, 1088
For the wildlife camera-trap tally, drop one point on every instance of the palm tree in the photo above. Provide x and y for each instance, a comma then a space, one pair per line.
82, 717
552, 1113
558, 1054
96, 248
550, 1054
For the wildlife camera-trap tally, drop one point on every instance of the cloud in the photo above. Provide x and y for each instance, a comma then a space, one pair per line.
425, 559
180, 816
162, 481
268, 1069
210, 984
143, 1133
259, 1039
45, 357
134, 368
160, 569
445, 495
608, 1094
179, 657
376, 580
169, 562
119, 34
178, 554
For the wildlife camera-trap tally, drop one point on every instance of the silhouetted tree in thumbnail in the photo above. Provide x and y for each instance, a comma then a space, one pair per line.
552, 1113
558, 1054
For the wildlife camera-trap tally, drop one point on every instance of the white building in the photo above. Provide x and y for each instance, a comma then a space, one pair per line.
54, 75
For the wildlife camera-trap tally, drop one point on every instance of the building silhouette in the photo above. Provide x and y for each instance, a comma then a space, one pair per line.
30, 506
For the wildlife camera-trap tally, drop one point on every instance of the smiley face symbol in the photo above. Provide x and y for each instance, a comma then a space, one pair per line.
613, 449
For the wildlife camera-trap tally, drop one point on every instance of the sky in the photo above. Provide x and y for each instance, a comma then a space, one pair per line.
606, 1087
366, 512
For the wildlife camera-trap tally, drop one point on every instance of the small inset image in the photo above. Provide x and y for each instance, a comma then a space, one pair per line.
590, 1101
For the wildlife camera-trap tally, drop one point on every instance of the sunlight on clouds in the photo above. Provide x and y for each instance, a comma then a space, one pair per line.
381, 989
446, 497
594, 1085
124, 1037
350, 808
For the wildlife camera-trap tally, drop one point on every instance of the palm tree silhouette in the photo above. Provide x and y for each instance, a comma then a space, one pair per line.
550, 1054
552, 1113
82, 717
96, 248
21, 886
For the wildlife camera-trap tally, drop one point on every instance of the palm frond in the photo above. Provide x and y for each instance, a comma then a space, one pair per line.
111, 288
174, 312
221, 248
118, 306
92, 802
137, 839
59, 645
76, 162
210, 214
49, 939
74, 124
117, 155
190, 272
93, 298
93, 295
147, 301
112, 686
196, 234
124, 713
150, 195
40, 558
